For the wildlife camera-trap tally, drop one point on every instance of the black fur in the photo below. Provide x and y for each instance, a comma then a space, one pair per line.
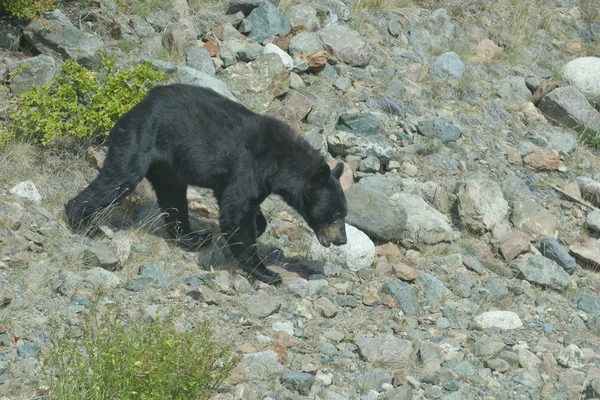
182, 135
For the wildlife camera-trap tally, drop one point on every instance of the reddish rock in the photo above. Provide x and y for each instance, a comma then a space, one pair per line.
279, 349
388, 250
405, 272
543, 159
514, 244
347, 178
371, 297
383, 267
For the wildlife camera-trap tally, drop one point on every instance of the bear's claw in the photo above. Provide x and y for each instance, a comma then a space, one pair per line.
194, 240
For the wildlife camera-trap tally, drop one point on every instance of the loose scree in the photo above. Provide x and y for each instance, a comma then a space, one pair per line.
182, 135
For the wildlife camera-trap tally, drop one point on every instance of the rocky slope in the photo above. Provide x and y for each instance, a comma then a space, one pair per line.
470, 271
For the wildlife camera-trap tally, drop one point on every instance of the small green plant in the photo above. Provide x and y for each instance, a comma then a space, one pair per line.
590, 138
80, 102
115, 360
27, 9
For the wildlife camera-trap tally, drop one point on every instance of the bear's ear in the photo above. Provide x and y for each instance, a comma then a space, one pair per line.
321, 174
338, 170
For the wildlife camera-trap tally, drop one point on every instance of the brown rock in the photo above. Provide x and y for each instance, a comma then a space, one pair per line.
543, 159
285, 339
399, 378
354, 162
211, 46
587, 251
383, 267
279, 349
412, 258
513, 156
316, 60
371, 297
572, 189
347, 178
487, 50
404, 271
389, 301
574, 47
545, 88
292, 110
388, 250
514, 244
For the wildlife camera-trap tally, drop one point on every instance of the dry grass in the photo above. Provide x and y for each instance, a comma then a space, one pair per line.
362, 5
206, 6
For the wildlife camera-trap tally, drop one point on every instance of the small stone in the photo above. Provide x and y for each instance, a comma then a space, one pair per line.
344, 300
404, 296
297, 381
342, 83
325, 307
370, 165
371, 297
156, 273
334, 336
139, 283
587, 250
404, 271
514, 244
513, 156
497, 364
27, 190
99, 277
286, 326
27, 350
571, 357
553, 250
261, 305
543, 160
592, 220
261, 366
384, 352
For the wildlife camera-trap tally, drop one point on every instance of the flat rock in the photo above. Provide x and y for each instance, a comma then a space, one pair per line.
27, 190
443, 128
555, 251
542, 271
566, 105
36, 71
505, 320
100, 255
543, 159
481, 204
358, 253
583, 73
587, 251
261, 366
266, 20
261, 305
590, 189
386, 352
99, 277
514, 244
404, 296
346, 45
529, 217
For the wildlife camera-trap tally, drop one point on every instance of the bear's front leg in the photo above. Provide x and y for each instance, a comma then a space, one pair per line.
239, 226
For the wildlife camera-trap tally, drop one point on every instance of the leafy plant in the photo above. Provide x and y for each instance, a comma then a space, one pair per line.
27, 9
115, 360
80, 102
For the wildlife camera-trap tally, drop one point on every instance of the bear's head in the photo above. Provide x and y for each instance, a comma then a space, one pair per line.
324, 207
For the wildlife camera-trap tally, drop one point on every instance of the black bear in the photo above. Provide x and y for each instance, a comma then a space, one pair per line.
181, 135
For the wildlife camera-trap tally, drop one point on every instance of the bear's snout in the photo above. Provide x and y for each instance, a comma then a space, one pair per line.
333, 234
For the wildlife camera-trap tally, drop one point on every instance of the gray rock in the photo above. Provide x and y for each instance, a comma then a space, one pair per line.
559, 140
245, 6
583, 73
592, 220
486, 347
481, 204
386, 352
442, 128
27, 190
370, 165
342, 143
322, 114
371, 211
346, 45
198, 58
404, 295
388, 184
55, 35
342, 83
513, 88
141, 27
300, 382
139, 283
473, 264
159, 19
497, 364
261, 305
590, 190
99, 277
544, 272
321, 267
262, 365
27, 350
371, 381
298, 287
529, 379
589, 303
505, 320
241, 284
344, 300
180, 35
11, 215
432, 31
10, 35
305, 42
325, 307
432, 356
465, 369
553, 250
447, 65
357, 254
156, 273
238, 49
303, 14
529, 217
360, 125
433, 288
532, 82
267, 21
36, 71
424, 224
567, 106
571, 357
100, 255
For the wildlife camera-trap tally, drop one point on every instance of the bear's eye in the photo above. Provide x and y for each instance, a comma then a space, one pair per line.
337, 216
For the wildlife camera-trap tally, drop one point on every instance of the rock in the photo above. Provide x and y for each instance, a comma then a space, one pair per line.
592, 220
303, 14
370, 165
405, 272
553, 250
342, 143
589, 303
141, 27
571, 357
514, 244
590, 190
382, 352
27, 190
344, 300
233, 49
360, 125
300, 382
139, 283
10, 35
432, 287
261, 305
266, 21
155, 273
99, 277
373, 212
320, 267
497, 364
180, 36
358, 253
404, 296
56, 36
11, 215
346, 45
504, 320
36, 71
583, 74
587, 251
100, 255
567, 106
481, 204
487, 50
513, 88
543, 159
261, 366
245, 6
447, 65
486, 347
268, 76
159, 19
424, 224
347, 178
325, 307
285, 58
198, 58
544, 272
435, 30
27, 350
531, 218
442, 128
306, 42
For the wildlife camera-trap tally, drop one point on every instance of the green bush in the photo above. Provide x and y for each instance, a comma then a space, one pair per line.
27, 9
113, 360
80, 102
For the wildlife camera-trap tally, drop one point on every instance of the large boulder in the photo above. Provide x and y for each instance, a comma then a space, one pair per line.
584, 74
36, 71
567, 106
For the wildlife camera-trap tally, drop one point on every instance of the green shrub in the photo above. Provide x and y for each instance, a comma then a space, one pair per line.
27, 9
113, 360
590, 138
80, 102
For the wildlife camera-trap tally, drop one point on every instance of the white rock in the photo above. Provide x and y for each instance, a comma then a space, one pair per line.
27, 190
571, 357
358, 253
286, 59
101, 278
584, 74
286, 326
499, 319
